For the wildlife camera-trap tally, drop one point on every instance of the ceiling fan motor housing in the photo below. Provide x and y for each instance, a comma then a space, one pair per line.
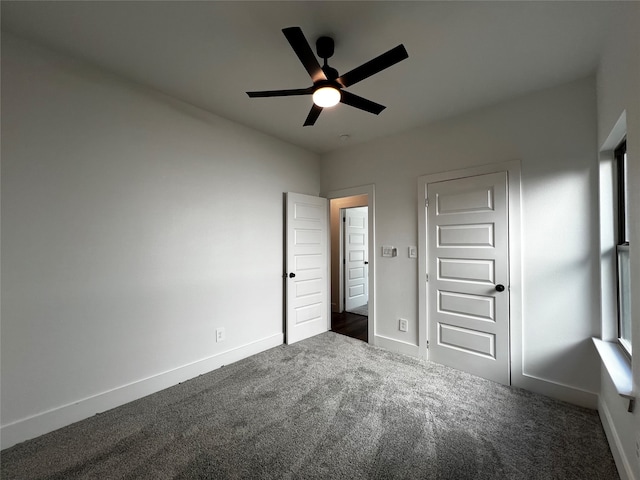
325, 47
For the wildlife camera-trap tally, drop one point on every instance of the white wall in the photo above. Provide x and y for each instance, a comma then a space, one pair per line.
553, 134
618, 83
133, 226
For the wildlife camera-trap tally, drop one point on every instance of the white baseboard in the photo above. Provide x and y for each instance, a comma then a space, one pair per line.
559, 391
549, 388
615, 443
59, 417
396, 346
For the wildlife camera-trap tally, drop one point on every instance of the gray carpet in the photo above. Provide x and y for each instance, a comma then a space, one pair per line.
326, 408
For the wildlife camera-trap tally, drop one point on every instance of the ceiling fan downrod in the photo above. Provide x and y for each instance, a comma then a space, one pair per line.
325, 47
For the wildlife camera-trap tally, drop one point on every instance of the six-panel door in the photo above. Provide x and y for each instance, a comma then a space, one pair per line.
467, 244
306, 267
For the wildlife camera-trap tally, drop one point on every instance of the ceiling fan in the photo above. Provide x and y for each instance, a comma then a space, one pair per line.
327, 88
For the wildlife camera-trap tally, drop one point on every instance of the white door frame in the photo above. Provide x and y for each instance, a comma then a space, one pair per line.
368, 190
515, 270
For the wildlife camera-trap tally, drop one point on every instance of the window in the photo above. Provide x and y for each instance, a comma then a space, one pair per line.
622, 249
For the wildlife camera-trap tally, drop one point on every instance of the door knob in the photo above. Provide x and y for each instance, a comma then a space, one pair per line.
500, 288
291, 275
366, 263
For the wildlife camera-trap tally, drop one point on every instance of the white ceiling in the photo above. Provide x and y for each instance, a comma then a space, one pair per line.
462, 55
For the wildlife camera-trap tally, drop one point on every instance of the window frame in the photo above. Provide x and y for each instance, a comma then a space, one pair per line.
621, 171
622, 240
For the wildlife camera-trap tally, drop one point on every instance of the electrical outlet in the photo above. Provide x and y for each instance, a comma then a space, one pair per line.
220, 336
403, 324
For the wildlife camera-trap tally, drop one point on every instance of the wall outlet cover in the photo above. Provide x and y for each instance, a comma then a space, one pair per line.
403, 324
220, 335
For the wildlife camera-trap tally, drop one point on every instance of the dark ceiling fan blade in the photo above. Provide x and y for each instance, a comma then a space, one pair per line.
374, 66
314, 113
281, 93
353, 100
305, 54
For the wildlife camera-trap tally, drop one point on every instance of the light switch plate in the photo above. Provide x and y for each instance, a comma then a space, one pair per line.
389, 251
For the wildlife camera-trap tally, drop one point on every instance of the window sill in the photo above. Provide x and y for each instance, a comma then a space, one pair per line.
618, 367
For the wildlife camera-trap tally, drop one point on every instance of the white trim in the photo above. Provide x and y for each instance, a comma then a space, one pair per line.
617, 133
513, 170
397, 346
370, 191
615, 443
423, 332
607, 221
607, 266
45, 422
558, 390
617, 365
341, 287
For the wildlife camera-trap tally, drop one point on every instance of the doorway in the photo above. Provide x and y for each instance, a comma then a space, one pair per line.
352, 280
351, 316
355, 260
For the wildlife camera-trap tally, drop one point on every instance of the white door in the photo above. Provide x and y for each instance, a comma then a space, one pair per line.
356, 257
468, 284
306, 267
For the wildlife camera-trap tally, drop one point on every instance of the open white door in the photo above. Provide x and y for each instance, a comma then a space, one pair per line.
356, 257
468, 266
306, 267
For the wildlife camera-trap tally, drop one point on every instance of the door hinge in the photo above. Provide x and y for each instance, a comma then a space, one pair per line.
344, 261
427, 275
427, 344
344, 219
426, 202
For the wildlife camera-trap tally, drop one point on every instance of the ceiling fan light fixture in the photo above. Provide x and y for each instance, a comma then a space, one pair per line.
326, 97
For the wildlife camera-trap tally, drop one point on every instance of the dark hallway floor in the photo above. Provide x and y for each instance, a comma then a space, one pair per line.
351, 325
